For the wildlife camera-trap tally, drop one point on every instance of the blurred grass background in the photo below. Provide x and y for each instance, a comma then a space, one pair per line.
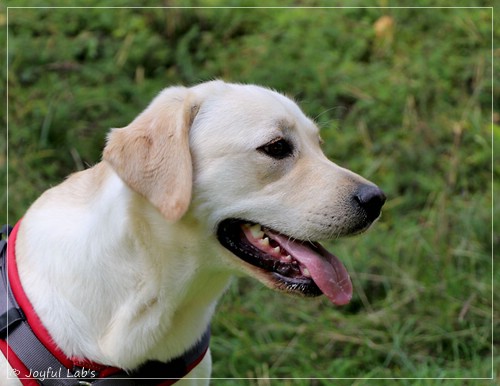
403, 97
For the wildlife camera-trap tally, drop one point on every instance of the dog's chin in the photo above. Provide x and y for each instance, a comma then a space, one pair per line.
296, 267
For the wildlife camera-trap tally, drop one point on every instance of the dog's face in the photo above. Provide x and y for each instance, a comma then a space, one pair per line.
263, 186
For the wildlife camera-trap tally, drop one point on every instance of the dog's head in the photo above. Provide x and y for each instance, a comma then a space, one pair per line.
249, 163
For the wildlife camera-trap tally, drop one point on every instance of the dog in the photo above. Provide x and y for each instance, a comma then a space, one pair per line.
122, 264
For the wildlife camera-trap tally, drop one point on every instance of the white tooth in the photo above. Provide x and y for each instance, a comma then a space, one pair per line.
256, 231
277, 250
264, 242
305, 272
255, 227
287, 258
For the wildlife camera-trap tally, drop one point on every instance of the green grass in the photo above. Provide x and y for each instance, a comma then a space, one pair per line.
409, 107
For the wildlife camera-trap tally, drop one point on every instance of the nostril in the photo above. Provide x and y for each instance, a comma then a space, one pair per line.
371, 199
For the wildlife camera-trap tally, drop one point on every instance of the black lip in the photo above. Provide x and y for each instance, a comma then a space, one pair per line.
287, 276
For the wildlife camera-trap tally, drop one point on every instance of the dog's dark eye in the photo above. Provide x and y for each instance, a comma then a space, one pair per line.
278, 148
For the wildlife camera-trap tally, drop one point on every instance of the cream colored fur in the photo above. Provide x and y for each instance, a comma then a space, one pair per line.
120, 261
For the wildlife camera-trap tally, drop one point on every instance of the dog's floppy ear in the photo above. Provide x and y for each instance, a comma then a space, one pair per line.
151, 155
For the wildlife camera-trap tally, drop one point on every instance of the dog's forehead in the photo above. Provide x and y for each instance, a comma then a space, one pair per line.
266, 108
243, 117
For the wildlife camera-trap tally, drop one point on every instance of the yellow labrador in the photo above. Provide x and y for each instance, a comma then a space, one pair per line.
123, 263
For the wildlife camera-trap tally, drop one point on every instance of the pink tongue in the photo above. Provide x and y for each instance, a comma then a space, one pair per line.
326, 270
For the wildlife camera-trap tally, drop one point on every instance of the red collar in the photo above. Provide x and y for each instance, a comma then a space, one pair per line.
177, 368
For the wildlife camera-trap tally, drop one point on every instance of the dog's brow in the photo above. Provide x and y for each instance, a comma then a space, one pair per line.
283, 123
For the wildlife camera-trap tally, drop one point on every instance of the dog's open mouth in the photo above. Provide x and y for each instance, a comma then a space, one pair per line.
295, 266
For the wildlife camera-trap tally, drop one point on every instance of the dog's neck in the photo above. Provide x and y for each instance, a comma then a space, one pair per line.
107, 289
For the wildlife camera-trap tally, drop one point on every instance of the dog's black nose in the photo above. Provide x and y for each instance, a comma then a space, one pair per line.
371, 199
